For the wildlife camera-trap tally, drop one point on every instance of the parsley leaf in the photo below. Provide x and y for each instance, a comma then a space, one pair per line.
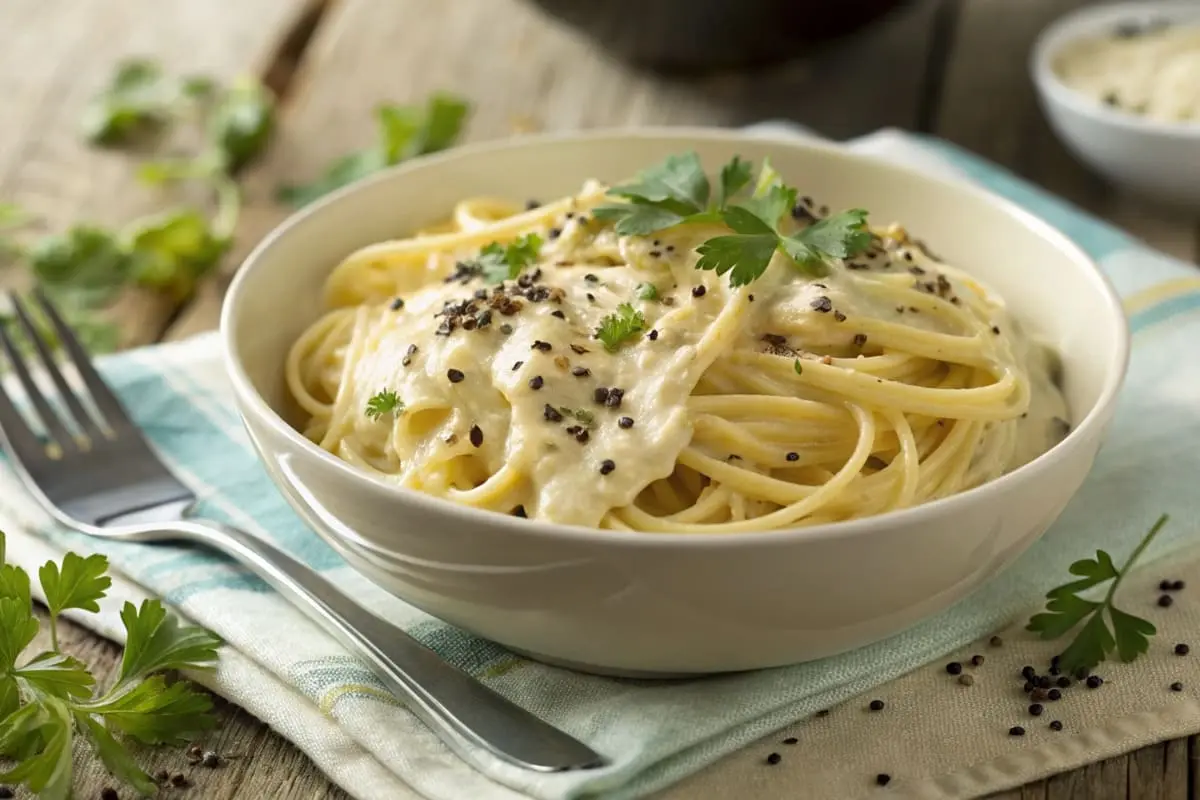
839, 236
735, 175
796, 365
745, 257
154, 712
115, 757
136, 102
57, 675
155, 642
44, 700
617, 328
404, 132
677, 192
46, 768
1095, 642
637, 218
241, 124
647, 291
498, 263
78, 584
383, 402
679, 182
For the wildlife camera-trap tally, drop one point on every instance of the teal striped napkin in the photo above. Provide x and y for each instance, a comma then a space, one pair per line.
285, 671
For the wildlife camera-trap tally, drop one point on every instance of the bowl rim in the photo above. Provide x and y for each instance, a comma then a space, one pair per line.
1091, 426
1080, 24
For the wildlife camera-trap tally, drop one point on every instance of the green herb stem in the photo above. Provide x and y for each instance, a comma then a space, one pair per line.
1134, 556
229, 207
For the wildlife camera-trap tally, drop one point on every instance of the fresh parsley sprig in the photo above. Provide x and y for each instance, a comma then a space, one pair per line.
1129, 635
677, 192
48, 698
620, 327
497, 263
385, 401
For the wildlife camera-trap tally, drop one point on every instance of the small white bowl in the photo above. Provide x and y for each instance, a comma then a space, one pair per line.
1156, 159
663, 604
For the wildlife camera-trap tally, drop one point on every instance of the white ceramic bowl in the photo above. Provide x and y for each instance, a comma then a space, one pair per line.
1156, 159
651, 604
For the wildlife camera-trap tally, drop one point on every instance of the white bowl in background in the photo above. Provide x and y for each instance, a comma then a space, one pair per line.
669, 604
1157, 159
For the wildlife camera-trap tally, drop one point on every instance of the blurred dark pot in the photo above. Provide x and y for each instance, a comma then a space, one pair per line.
691, 35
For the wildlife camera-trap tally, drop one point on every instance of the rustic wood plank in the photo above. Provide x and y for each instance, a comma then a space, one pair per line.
542, 75
55, 54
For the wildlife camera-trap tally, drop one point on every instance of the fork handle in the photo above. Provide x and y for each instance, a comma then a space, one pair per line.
464, 713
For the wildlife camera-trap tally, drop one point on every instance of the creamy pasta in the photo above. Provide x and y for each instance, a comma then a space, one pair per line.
891, 380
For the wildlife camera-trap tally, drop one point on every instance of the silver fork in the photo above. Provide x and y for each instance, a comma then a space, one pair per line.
106, 481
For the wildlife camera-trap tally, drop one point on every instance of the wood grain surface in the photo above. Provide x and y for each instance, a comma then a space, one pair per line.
955, 68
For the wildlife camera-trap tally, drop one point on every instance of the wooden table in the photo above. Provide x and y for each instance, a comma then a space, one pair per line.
955, 68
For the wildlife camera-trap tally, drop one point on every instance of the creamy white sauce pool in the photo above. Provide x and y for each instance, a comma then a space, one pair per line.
1152, 72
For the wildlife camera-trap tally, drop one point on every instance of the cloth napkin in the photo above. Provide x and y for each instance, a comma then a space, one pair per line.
285, 671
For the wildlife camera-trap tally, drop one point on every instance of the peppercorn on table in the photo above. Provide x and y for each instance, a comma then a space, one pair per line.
953, 68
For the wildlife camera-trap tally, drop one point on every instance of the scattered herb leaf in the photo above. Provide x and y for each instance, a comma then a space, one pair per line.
676, 192
796, 365
619, 327
383, 402
404, 132
45, 699
1095, 642
137, 101
498, 263
647, 291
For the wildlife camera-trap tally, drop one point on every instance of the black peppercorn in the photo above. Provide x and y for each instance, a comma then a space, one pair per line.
454, 375
397, 304
476, 435
1176, 687
625, 422
1182, 649
1165, 586
698, 291
581, 372
1028, 672
876, 705
1178, 586
996, 641
1094, 681
792, 456
607, 466
1038, 695
6, 793
1045, 682
976, 661
536, 382
1165, 600
954, 668
774, 758
883, 779
1063, 682
1054, 694
1036, 709
1029, 687
1016, 730
1055, 725
109, 793
791, 740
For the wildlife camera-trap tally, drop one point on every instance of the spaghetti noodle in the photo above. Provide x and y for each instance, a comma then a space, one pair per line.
893, 380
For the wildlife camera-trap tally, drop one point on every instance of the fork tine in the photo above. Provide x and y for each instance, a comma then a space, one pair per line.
110, 407
50, 420
24, 444
86, 422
